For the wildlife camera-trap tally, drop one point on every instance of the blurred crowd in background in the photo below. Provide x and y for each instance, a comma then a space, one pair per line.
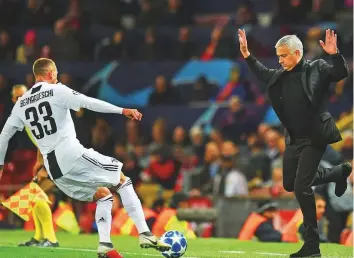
241, 155
69, 20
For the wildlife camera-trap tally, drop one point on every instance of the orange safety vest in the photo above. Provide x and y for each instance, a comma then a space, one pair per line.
168, 218
290, 231
250, 226
349, 241
123, 225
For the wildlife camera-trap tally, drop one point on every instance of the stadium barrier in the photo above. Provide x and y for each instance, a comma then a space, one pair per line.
229, 214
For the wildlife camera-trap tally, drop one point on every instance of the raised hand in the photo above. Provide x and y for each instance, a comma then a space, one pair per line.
243, 43
132, 114
330, 44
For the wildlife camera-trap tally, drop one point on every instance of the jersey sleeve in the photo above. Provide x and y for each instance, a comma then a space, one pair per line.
15, 120
75, 100
6, 134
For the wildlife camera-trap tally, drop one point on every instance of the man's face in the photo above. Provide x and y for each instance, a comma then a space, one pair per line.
235, 105
228, 151
271, 139
18, 92
287, 58
197, 139
178, 135
320, 208
211, 152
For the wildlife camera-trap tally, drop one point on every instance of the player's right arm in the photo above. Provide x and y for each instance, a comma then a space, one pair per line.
12, 125
74, 100
263, 73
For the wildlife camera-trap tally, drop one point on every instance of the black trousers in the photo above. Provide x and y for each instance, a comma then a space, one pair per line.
300, 173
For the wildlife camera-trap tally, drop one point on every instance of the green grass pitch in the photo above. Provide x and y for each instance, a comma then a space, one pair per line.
84, 246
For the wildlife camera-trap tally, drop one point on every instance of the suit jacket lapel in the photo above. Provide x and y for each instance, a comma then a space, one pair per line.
275, 77
304, 81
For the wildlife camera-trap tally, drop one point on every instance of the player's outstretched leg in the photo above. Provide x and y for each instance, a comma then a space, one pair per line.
135, 211
103, 219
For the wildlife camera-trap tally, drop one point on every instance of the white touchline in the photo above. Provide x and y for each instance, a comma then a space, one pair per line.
275, 254
261, 253
88, 250
92, 250
232, 252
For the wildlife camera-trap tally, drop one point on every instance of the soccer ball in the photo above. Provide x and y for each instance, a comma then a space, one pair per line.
178, 244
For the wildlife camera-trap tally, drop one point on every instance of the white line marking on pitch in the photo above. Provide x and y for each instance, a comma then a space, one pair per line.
275, 254
92, 250
232, 252
243, 252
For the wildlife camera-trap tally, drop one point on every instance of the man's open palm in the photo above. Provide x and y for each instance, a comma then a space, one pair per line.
330, 44
243, 43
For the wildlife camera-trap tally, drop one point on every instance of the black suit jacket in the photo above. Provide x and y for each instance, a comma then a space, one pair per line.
316, 78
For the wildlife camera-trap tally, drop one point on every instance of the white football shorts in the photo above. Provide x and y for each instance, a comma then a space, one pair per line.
91, 171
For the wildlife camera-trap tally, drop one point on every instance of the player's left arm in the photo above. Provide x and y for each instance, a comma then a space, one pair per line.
337, 71
74, 100
339, 68
12, 125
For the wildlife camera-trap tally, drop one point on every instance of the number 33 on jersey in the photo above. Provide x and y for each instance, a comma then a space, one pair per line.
44, 111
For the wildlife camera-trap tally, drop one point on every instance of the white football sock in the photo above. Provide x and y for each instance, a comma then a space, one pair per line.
104, 218
133, 206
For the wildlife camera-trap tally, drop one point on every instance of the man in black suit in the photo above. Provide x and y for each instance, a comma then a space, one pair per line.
297, 92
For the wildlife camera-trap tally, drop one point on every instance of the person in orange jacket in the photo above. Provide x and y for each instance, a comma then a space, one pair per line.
167, 219
260, 224
294, 230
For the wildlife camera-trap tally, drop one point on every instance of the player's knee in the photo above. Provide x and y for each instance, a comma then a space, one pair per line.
101, 193
123, 178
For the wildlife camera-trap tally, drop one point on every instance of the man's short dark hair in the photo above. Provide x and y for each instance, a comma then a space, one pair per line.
41, 65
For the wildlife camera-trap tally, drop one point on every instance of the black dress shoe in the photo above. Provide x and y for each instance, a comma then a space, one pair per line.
341, 184
308, 250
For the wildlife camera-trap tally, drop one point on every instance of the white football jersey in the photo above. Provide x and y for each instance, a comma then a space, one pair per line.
45, 110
